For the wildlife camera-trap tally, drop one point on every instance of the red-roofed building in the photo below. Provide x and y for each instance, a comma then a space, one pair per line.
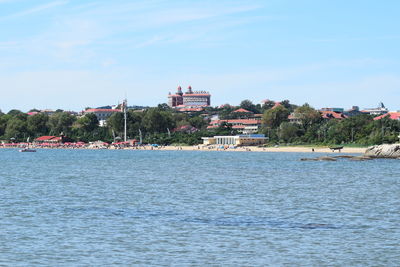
242, 110
390, 115
332, 115
48, 139
189, 99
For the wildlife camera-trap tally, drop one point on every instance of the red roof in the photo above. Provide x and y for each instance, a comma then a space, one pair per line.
48, 138
390, 115
242, 110
332, 115
277, 104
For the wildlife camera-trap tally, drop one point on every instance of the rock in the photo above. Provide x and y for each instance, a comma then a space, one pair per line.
361, 158
319, 159
383, 151
309, 159
327, 158
343, 157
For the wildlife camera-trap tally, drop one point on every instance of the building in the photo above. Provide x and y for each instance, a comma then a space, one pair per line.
390, 115
48, 139
245, 126
380, 110
354, 111
328, 115
189, 99
236, 140
101, 114
175, 99
338, 110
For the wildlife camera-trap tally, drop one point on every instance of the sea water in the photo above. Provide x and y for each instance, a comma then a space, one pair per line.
196, 208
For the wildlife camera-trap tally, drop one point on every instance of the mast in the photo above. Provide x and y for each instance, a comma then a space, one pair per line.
125, 105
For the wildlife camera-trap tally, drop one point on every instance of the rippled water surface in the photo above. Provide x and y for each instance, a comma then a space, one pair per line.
190, 208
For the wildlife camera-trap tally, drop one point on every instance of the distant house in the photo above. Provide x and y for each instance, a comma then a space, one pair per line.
101, 114
186, 129
242, 110
294, 118
390, 115
380, 110
328, 115
48, 139
354, 111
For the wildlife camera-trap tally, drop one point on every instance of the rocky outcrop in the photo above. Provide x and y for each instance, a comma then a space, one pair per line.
319, 159
383, 151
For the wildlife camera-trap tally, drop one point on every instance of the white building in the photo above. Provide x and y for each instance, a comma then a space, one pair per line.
101, 114
236, 140
380, 110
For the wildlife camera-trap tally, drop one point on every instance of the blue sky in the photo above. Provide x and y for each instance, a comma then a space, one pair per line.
71, 54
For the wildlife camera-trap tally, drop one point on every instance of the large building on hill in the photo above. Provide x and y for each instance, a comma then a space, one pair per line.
189, 99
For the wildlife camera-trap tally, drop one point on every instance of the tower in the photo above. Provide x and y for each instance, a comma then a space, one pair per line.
179, 91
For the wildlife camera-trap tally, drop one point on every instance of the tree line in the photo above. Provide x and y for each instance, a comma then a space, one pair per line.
163, 125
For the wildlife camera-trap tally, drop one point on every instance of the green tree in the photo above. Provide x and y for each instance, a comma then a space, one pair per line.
37, 125
268, 105
61, 122
157, 121
288, 131
16, 128
274, 117
307, 115
3, 123
248, 105
14, 112
116, 122
198, 122
88, 123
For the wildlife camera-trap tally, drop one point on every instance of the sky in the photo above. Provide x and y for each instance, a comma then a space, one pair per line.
72, 54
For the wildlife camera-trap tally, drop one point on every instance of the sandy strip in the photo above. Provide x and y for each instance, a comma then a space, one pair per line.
299, 149
296, 149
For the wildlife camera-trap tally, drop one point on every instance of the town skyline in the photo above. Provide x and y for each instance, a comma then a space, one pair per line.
69, 55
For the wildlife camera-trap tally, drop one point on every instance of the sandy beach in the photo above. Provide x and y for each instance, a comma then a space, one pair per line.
298, 149
293, 149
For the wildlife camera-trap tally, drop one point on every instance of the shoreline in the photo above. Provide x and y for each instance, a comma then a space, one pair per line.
288, 149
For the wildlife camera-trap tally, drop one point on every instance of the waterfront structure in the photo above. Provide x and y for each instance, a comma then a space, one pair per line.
380, 110
189, 99
48, 139
236, 140
245, 126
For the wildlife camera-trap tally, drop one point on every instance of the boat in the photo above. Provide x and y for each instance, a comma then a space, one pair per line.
27, 150
336, 148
